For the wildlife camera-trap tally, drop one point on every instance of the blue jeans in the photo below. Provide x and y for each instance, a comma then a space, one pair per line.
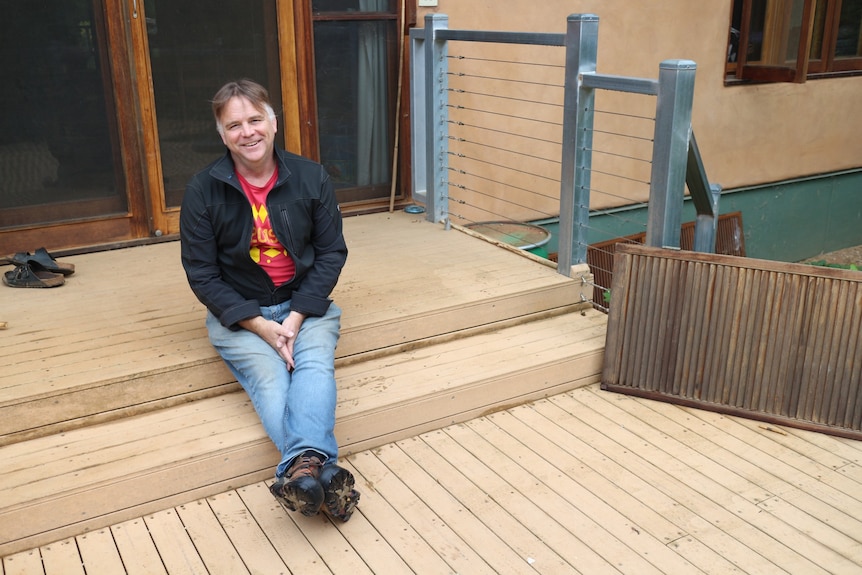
297, 409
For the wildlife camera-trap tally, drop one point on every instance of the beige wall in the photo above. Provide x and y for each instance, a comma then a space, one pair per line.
747, 134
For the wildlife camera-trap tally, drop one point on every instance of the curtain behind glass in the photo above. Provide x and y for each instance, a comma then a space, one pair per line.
373, 141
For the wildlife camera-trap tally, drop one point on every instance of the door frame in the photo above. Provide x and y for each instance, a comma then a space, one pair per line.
297, 122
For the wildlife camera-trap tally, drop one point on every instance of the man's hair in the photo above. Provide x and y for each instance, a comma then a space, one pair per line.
245, 88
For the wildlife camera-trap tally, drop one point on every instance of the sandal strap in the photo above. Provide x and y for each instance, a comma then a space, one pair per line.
25, 276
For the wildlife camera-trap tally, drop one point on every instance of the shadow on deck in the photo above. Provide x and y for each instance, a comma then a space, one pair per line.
114, 405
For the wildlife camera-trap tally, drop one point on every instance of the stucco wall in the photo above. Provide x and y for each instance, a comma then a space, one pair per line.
748, 135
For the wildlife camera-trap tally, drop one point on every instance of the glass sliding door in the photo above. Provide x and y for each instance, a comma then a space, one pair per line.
194, 47
355, 59
60, 157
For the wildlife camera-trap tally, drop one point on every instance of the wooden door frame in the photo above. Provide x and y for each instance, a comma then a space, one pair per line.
299, 118
297, 123
298, 69
298, 99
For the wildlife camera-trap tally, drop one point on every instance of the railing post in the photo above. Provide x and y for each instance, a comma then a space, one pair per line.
436, 119
582, 35
705, 197
418, 127
670, 152
706, 224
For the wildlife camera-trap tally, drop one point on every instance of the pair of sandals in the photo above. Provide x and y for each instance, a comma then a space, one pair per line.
37, 270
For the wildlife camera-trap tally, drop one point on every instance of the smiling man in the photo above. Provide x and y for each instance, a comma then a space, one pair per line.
262, 248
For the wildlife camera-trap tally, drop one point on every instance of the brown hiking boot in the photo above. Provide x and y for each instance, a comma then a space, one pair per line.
299, 489
340, 498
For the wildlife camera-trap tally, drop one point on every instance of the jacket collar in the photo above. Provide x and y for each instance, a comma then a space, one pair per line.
223, 169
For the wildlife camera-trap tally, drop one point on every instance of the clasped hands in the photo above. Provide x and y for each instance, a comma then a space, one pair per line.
281, 336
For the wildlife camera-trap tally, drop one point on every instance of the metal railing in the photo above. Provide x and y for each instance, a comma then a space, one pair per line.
675, 161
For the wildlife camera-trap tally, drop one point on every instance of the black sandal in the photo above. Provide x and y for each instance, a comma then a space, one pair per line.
26, 277
43, 261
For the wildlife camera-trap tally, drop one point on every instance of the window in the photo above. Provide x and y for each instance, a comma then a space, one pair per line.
356, 68
793, 40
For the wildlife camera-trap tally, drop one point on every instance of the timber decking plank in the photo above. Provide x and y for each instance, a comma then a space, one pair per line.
533, 436
414, 553
737, 512
362, 430
813, 477
615, 538
132, 447
368, 543
177, 552
638, 508
419, 534
415, 326
99, 553
494, 551
491, 509
137, 549
755, 450
524, 498
24, 563
810, 511
131, 439
100, 346
124, 468
284, 534
835, 537
247, 537
537, 465
209, 538
487, 355
62, 558
683, 487
336, 551
590, 464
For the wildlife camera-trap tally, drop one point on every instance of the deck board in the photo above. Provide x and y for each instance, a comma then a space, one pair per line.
99, 345
137, 549
581, 482
574, 481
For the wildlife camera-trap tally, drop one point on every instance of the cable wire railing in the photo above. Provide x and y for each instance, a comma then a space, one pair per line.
519, 127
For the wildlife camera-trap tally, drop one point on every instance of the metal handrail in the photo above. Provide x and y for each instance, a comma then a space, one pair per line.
676, 160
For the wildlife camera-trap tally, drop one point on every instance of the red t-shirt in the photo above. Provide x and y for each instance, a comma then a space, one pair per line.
266, 250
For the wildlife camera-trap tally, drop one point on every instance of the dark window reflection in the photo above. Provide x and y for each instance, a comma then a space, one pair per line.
58, 154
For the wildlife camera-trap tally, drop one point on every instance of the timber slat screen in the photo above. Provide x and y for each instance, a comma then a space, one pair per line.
768, 340
729, 240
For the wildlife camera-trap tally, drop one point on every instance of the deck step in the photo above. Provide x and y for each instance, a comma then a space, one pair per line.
72, 482
125, 335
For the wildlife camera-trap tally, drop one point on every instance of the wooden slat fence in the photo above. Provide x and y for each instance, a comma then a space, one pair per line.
773, 341
729, 240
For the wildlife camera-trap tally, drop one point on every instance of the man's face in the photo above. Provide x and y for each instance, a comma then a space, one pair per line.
247, 132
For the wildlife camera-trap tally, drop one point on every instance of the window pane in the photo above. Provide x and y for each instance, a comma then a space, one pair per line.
190, 62
849, 42
319, 6
774, 32
354, 70
756, 29
815, 52
59, 157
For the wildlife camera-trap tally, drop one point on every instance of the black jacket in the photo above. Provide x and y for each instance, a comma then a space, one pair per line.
216, 228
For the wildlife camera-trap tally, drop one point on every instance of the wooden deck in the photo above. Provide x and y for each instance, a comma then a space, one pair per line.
469, 410
583, 482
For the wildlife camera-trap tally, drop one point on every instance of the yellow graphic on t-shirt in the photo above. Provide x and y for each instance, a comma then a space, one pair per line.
260, 213
264, 243
270, 253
